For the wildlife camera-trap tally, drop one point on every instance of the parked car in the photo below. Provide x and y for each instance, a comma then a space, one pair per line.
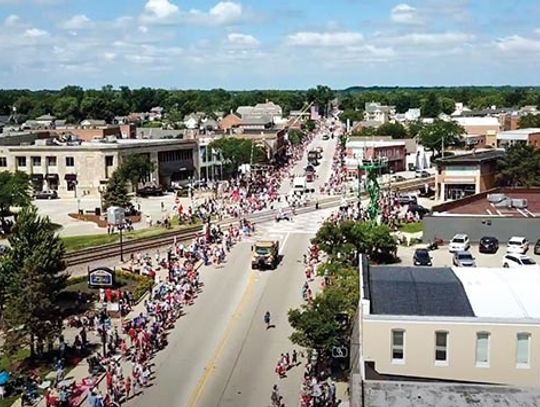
537, 247
418, 209
488, 244
518, 260
406, 199
325, 137
422, 257
397, 178
459, 243
46, 195
150, 191
421, 174
426, 193
517, 244
463, 259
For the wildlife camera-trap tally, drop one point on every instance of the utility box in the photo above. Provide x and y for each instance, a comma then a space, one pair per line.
115, 215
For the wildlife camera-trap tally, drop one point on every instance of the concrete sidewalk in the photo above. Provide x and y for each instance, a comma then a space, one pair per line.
80, 372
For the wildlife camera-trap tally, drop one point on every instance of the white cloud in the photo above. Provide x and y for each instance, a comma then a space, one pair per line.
77, 22
518, 43
429, 39
12, 20
404, 14
160, 10
35, 33
537, 31
226, 12
242, 40
143, 29
324, 39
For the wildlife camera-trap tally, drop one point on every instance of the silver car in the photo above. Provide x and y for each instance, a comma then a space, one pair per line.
463, 259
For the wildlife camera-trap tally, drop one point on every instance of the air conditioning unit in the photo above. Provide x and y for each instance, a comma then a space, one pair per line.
494, 198
505, 203
519, 203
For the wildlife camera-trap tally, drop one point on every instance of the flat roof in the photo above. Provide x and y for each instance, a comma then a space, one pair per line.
478, 205
520, 134
477, 121
494, 293
473, 158
502, 293
103, 145
361, 142
417, 291
429, 394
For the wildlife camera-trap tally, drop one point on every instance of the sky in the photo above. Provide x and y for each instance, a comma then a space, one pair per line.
268, 44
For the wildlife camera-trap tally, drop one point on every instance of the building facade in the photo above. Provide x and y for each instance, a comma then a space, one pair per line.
358, 149
451, 324
468, 174
529, 137
77, 169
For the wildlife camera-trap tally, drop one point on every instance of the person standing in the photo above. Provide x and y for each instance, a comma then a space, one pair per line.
267, 319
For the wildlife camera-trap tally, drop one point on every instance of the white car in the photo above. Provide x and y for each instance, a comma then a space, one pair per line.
518, 245
459, 243
518, 260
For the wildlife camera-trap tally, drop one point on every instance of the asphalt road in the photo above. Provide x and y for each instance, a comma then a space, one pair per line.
220, 353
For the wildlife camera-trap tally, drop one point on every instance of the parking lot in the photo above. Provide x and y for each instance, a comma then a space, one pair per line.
443, 258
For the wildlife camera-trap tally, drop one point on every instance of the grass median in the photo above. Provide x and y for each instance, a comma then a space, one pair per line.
73, 243
414, 227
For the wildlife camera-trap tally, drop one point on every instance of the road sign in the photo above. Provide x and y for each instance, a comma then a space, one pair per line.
340, 352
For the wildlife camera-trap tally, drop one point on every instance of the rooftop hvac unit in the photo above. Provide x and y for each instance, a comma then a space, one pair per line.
494, 198
505, 203
519, 203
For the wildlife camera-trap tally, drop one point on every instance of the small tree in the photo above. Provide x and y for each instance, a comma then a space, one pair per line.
33, 268
296, 136
236, 152
14, 191
530, 120
135, 168
116, 193
394, 130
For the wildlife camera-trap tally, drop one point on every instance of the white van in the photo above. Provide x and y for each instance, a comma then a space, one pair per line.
299, 185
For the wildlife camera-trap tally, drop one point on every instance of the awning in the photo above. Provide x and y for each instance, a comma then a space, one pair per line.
36, 177
70, 177
52, 177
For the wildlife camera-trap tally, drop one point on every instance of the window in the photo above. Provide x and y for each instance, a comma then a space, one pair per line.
522, 350
109, 160
441, 347
482, 349
70, 162
3, 162
51, 161
21, 161
36, 161
398, 346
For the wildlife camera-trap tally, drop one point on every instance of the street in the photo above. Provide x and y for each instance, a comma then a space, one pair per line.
220, 353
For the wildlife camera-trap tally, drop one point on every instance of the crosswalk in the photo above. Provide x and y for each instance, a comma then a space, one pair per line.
307, 224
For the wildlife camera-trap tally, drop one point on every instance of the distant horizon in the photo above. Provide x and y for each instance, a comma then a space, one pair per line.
339, 89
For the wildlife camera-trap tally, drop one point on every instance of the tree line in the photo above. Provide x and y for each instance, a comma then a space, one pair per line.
74, 103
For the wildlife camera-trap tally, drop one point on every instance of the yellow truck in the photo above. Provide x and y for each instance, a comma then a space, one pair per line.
265, 254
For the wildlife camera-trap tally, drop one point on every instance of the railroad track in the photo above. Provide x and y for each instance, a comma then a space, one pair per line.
112, 250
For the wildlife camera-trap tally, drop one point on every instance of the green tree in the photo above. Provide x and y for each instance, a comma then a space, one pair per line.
321, 96
441, 133
67, 107
296, 136
365, 132
347, 240
135, 168
448, 105
528, 121
414, 128
520, 167
116, 193
431, 106
352, 115
394, 130
14, 191
309, 125
34, 267
237, 152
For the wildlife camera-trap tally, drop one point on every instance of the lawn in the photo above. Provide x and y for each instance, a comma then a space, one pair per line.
73, 243
411, 227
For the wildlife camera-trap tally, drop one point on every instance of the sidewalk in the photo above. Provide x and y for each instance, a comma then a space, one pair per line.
80, 372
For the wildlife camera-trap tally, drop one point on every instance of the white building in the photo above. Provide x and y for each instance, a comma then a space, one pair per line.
375, 112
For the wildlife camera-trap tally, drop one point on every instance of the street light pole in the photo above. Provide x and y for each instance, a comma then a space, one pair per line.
120, 227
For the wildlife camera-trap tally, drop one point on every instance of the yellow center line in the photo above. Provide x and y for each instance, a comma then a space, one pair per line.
211, 365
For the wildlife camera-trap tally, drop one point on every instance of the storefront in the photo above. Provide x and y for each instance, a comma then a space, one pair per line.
37, 182
52, 181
